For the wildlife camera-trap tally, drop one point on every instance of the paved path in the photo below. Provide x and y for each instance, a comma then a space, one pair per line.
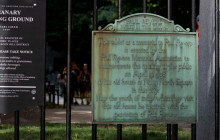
79, 114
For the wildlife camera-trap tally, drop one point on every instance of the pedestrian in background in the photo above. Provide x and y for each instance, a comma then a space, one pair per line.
85, 83
61, 80
75, 77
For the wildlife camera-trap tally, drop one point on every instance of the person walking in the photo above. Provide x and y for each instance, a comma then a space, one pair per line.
85, 83
75, 76
61, 80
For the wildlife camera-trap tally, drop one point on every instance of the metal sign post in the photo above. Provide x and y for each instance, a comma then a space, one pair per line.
168, 131
144, 132
42, 122
16, 126
119, 131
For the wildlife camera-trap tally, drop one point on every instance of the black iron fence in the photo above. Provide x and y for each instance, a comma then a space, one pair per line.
172, 129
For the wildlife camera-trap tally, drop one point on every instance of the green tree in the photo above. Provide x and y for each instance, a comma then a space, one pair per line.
82, 21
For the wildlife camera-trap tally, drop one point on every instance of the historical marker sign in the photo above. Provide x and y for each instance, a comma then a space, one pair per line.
145, 70
22, 53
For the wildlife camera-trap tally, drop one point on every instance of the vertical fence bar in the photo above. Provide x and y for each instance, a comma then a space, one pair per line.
193, 131
119, 126
169, 11
42, 118
95, 22
217, 70
168, 131
94, 131
68, 104
175, 132
175, 126
193, 126
16, 126
193, 15
144, 6
49, 93
144, 132
119, 131
53, 92
119, 9
58, 97
95, 15
144, 126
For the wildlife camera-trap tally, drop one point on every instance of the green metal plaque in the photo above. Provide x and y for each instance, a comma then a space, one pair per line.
145, 70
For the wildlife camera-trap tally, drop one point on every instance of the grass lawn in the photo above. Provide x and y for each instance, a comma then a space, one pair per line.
84, 132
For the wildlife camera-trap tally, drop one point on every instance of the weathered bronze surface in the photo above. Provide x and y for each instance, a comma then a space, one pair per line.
145, 70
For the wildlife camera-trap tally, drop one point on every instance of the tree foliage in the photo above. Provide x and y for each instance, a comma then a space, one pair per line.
82, 21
